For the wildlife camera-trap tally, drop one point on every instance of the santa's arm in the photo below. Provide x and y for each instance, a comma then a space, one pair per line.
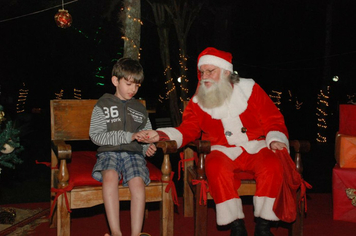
271, 118
188, 131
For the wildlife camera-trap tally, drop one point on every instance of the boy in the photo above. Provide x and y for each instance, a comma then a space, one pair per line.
115, 121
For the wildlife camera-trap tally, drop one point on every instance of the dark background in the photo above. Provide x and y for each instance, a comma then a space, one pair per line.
294, 47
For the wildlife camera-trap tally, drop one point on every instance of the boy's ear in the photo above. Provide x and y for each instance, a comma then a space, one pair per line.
115, 80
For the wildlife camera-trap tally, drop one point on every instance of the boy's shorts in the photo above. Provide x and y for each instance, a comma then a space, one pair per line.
127, 164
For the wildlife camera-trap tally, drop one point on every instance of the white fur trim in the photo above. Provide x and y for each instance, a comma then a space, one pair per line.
276, 136
264, 208
234, 125
230, 152
216, 61
173, 134
228, 211
254, 146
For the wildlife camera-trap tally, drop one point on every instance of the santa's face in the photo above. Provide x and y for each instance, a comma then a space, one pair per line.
215, 87
209, 74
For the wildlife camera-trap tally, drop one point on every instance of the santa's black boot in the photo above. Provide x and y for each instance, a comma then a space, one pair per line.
238, 228
263, 227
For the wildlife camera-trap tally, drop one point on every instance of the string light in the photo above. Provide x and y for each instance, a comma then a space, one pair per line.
60, 94
160, 98
170, 90
321, 113
276, 98
135, 20
351, 99
77, 93
290, 95
168, 83
182, 63
321, 139
298, 104
21, 101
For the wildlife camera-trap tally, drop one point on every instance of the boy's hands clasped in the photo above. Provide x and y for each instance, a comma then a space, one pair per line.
151, 150
147, 136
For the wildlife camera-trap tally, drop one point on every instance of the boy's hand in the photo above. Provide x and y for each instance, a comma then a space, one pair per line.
146, 136
151, 150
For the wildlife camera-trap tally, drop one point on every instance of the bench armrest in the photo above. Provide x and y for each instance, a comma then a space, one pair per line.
63, 152
61, 149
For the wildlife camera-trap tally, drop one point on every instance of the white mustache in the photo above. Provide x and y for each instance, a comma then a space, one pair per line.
207, 80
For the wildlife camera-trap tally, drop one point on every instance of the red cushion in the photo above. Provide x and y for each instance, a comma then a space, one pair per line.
82, 164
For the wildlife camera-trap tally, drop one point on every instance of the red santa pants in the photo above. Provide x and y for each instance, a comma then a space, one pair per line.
223, 182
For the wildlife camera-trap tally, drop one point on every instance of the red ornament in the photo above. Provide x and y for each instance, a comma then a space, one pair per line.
63, 19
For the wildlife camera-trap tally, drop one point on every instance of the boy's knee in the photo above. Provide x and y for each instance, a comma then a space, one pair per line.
110, 175
137, 181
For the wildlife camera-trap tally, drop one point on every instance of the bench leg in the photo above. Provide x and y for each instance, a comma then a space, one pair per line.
63, 217
53, 220
167, 214
201, 213
188, 201
296, 228
188, 196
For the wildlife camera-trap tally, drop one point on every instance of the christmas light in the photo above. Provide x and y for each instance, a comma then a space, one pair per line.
77, 93
298, 105
135, 20
60, 94
21, 101
290, 95
351, 99
276, 98
321, 113
183, 62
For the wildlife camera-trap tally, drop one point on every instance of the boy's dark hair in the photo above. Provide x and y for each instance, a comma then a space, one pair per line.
128, 68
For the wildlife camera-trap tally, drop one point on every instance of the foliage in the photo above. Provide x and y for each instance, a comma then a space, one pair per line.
10, 136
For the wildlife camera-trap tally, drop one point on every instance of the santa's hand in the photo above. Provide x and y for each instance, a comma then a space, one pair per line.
275, 145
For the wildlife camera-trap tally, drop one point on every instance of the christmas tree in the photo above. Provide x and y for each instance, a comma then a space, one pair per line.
9, 143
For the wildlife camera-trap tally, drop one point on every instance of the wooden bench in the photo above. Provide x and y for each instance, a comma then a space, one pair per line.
72, 186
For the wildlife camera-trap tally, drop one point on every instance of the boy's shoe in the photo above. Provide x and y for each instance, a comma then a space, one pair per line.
144, 234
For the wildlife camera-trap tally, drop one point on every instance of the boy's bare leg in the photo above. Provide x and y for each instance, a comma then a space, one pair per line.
111, 200
138, 200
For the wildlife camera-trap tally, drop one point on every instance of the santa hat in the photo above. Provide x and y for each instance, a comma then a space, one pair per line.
213, 56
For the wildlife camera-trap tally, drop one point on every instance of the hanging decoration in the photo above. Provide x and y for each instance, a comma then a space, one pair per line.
63, 19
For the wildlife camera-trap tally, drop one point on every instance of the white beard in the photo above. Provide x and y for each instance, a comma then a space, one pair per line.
216, 94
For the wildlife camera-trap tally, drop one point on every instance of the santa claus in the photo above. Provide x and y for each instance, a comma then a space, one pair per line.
244, 128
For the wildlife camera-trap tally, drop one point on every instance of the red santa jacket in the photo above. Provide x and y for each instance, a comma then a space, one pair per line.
249, 120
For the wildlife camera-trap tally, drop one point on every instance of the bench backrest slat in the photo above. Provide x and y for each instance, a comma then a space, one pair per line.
70, 118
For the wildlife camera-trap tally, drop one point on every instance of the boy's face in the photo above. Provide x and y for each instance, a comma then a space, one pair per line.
125, 89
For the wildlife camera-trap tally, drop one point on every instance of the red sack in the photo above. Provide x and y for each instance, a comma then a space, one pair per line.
285, 206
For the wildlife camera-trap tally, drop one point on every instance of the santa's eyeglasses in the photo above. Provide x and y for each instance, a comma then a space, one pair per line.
207, 72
